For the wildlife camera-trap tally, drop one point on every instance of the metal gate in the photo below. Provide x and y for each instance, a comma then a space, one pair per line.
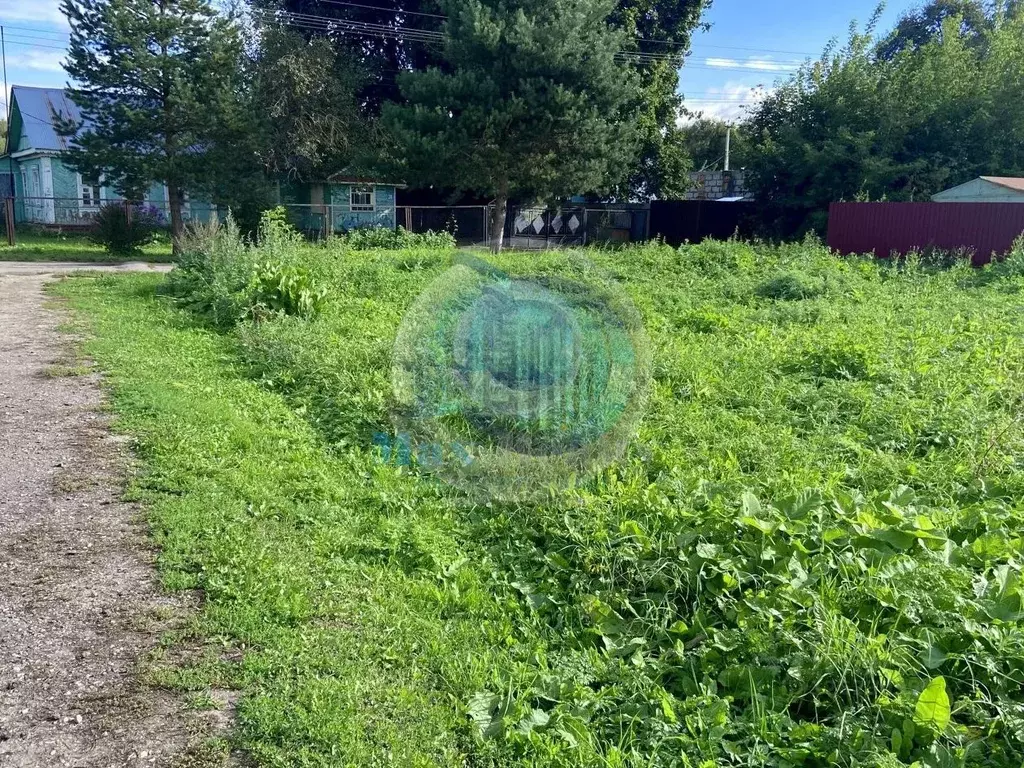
545, 228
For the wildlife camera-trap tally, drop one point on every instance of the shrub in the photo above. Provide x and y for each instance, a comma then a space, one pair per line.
381, 238
213, 272
121, 234
224, 278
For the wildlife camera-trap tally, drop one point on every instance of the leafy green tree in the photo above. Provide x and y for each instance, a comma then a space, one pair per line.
703, 141
658, 35
529, 103
305, 97
922, 25
155, 80
857, 125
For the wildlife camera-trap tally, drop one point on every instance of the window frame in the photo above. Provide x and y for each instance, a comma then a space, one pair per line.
95, 194
362, 190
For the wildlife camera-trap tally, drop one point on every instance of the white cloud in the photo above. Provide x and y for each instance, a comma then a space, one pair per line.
47, 11
760, 65
36, 59
729, 102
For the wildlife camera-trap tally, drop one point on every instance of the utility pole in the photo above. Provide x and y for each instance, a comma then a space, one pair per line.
728, 142
8, 198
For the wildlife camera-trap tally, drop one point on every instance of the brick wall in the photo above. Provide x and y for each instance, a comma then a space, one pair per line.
714, 185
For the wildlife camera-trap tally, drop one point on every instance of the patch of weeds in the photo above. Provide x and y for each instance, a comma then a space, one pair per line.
201, 700
788, 287
206, 752
797, 562
835, 362
705, 321
63, 370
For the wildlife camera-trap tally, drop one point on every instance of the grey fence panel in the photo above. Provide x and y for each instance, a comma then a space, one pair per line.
468, 224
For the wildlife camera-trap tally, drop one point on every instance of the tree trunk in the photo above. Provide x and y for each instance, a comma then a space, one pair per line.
174, 201
498, 217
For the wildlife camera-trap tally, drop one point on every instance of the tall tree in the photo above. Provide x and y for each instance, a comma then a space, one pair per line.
858, 125
658, 36
529, 103
388, 37
921, 26
153, 79
305, 99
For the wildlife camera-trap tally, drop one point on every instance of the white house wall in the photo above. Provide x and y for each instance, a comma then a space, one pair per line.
979, 191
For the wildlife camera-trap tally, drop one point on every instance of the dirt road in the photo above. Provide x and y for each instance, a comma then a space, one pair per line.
79, 607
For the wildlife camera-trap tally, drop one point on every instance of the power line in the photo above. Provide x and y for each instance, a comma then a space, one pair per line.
369, 29
693, 45
36, 29
37, 45
57, 36
23, 36
398, 29
396, 11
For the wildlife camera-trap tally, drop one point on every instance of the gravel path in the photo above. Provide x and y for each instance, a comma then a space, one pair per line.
79, 608
55, 267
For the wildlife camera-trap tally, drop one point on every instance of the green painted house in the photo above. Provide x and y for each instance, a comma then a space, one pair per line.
45, 190
341, 203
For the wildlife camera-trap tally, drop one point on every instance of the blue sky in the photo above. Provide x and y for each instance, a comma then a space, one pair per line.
755, 42
751, 43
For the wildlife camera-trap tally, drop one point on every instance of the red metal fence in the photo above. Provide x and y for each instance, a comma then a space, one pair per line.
887, 228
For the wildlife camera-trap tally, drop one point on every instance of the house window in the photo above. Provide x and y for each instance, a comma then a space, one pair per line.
90, 193
362, 198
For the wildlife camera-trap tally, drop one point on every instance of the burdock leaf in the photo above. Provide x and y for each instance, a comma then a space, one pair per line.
932, 710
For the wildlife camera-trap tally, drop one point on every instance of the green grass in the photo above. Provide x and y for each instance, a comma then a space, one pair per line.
64, 246
819, 518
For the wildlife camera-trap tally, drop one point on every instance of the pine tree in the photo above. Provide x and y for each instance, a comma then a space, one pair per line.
152, 78
529, 102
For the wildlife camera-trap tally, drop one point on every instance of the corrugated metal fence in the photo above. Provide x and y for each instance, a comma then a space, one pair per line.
888, 228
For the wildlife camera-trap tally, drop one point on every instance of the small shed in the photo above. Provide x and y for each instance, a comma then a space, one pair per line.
340, 203
985, 189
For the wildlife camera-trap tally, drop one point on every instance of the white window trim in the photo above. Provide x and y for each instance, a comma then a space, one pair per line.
186, 206
97, 202
371, 208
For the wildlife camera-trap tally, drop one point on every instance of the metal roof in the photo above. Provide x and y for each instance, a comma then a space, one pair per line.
1009, 182
38, 108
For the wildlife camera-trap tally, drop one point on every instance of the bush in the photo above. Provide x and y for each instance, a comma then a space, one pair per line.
121, 234
214, 271
224, 278
381, 238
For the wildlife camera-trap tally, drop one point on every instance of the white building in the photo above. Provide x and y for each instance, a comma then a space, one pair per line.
985, 189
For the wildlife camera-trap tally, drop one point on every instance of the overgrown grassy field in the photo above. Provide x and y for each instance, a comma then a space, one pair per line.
810, 554
61, 246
